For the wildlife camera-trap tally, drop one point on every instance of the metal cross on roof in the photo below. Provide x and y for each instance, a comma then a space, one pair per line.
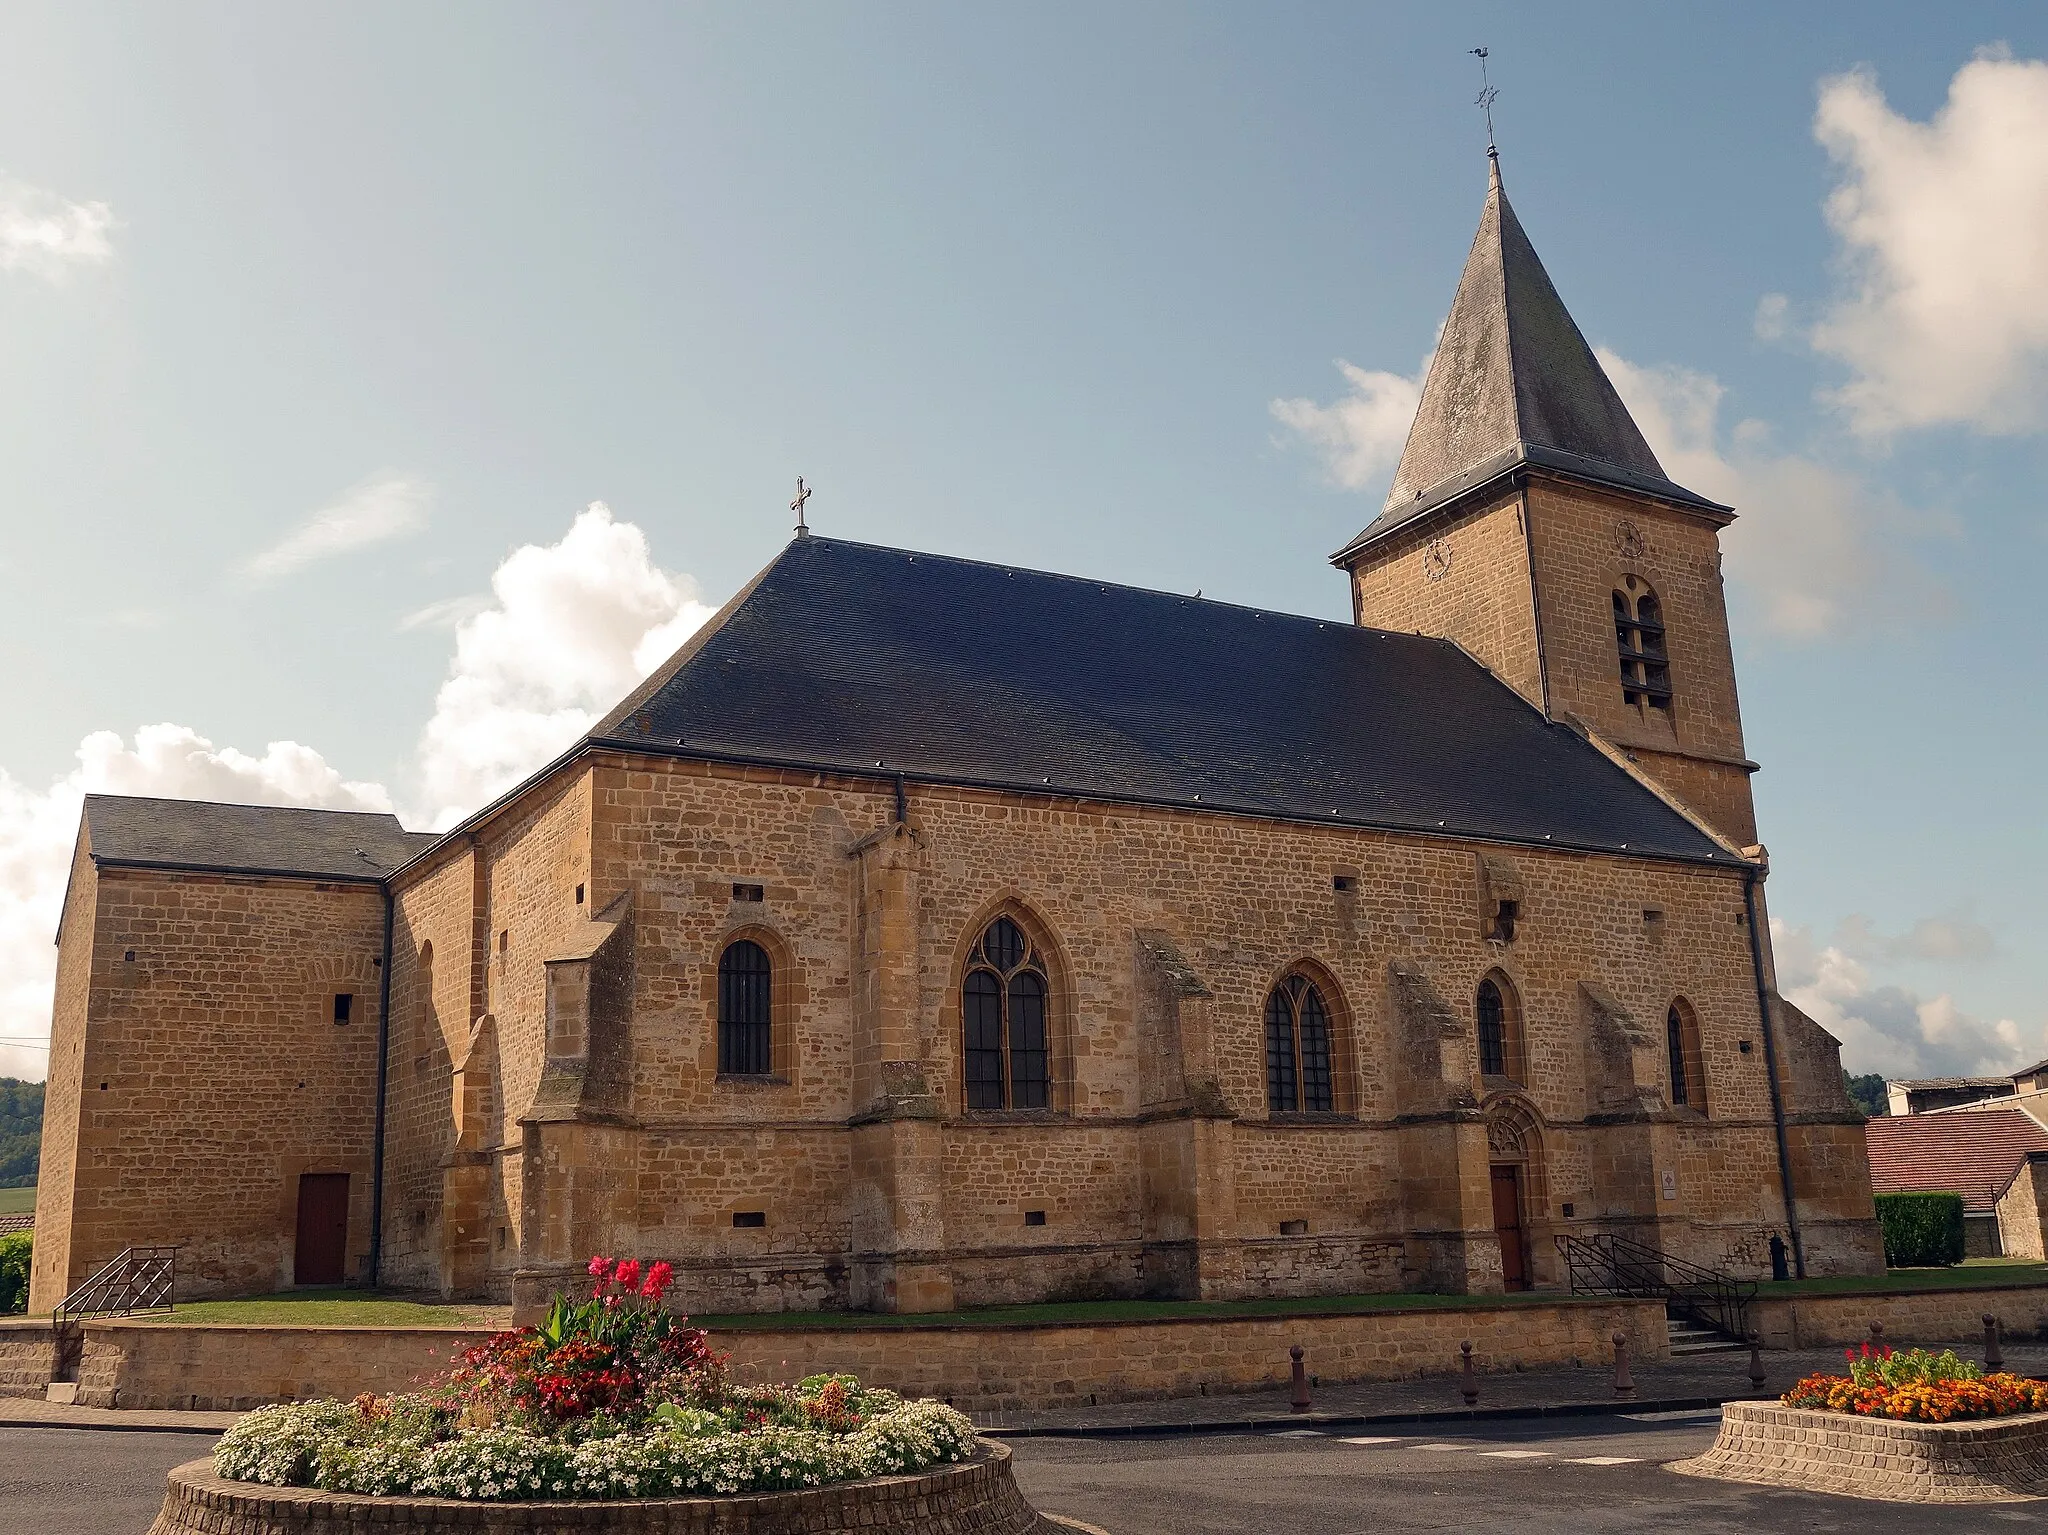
803, 494
1484, 100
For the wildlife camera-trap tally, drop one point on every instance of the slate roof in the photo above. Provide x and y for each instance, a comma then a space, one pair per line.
848, 656
1976, 1155
1513, 382
254, 839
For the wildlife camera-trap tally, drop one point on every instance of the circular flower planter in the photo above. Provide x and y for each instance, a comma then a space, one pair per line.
974, 1497
1978, 1460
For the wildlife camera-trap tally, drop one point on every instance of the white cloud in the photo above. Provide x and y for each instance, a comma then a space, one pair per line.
1892, 1029
568, 630
38, 827
448, 613
45, 236
385, 506
1943, 939
1814, 546
572, 627
1359, 436
1943, 317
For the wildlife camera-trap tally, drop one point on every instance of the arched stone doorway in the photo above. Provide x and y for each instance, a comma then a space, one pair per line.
1514, 1153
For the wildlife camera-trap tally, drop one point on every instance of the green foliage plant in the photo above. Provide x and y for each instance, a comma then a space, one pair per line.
16, 1248
1921, 1230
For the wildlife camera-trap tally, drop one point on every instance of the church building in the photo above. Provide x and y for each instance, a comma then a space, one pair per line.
929, 933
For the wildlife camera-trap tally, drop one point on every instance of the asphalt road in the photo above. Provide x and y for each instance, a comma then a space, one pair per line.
1530, 1477
1582, 1476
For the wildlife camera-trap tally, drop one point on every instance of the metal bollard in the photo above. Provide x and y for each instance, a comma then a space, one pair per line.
1994, 1356
1756, 1361
1468, 1384
1624, 1385
1299, 1401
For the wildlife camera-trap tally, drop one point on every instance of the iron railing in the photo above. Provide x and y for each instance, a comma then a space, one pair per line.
1612, 1265
140, 1279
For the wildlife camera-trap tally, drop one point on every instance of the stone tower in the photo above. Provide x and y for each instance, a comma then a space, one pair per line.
1530, 522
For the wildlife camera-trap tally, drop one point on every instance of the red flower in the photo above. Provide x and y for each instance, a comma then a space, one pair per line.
659, 1276
627, 1275
600, 1269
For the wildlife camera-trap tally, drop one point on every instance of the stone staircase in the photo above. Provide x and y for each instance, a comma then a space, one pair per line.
1689, 1337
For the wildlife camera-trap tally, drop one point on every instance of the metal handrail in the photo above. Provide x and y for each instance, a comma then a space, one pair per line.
1612, 1265
140, 1279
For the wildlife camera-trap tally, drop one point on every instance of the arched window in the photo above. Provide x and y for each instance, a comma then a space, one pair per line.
1639, 636
1003, 1016
1500, 1041
745, 995
1688, 1068
1297, 1048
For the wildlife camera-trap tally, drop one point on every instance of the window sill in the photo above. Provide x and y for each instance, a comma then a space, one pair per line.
1500, 1084
1015, 1117
1301, 1118
752, 1079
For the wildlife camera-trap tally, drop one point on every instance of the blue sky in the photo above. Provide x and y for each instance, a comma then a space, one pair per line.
312, 316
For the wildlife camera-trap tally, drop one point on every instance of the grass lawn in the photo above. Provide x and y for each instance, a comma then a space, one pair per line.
337, 1308
1971, 1272
18, 1201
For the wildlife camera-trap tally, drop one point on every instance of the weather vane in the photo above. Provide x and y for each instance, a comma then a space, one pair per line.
803, 494
1484, 100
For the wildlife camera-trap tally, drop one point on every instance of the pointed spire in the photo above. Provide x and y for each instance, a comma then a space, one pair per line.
1513, 382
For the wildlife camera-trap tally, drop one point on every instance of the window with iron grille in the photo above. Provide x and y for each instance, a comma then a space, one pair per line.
1005, 1059
1297, 1048
745, 997
1639, 637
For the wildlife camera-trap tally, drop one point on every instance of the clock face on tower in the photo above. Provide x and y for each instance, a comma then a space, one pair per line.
1436, 559
1630, 543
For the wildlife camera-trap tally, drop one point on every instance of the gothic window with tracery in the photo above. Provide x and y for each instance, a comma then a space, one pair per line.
1639, 637
1298, 1048
1003, 1015
1499, 1028
745, 1012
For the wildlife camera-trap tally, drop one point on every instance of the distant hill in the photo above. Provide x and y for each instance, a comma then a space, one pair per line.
21, 1132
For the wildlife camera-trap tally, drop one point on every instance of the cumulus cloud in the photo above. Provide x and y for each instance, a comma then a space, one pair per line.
1943, 316
383, 507
1945, 939
1359, 436
1893, 1029
568, 629
1815, 546
37, 828
448, 613
46, 236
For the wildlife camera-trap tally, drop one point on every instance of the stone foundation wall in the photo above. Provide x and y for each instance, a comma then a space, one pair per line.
1922, 1317
976, 1498
27, 1350
979, 1368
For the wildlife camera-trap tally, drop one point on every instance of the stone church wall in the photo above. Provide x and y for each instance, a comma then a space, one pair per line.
50, 1275
213, 1073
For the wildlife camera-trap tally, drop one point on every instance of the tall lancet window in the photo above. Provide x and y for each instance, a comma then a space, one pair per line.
1297, 1048
1639, 636
1003, 1015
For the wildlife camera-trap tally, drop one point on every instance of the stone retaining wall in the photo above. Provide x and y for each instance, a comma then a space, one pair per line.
980, 1368
26, 1352
1998, 1460
977, 1498
1910, 1317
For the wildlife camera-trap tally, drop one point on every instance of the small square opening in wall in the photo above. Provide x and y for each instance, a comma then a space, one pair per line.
579, 895
746, 1218
1034, 1217
501, 1239
344, 1006
1568, 1209
504, 939
1344, 884
129, 956
1503, 930
1294, 1228
749, 893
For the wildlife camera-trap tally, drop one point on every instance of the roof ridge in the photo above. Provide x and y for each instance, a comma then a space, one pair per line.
242, 804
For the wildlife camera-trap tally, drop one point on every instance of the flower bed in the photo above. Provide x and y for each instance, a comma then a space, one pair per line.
1917, 1386
609, 1397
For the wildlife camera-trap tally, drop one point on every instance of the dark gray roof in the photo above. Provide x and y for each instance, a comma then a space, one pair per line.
847, 656
1513, 382
254, 839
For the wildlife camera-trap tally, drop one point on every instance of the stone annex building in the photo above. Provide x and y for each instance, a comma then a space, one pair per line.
929, 933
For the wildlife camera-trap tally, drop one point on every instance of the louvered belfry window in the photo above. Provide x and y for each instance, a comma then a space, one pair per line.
745, 997
1639, 637
1297, 1048
1003, 1015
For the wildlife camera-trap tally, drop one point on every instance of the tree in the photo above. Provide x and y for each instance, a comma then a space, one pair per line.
1867, 1092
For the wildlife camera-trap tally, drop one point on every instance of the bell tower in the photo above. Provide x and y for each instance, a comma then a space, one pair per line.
1530, 522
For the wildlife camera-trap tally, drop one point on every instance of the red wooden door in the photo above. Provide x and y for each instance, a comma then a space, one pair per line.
321, 1253
1507, 1224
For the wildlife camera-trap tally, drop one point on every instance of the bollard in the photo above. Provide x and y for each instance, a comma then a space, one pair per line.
1299, 1401
1756, 1361
1623, 1384
1877, 1336
1994, 1356
1468, 1385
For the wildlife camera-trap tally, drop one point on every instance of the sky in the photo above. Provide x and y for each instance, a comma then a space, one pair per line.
385, 388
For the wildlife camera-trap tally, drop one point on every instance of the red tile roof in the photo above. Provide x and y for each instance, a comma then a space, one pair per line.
1975, 1154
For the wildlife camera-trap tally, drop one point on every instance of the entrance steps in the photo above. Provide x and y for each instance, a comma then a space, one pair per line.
1689, 1337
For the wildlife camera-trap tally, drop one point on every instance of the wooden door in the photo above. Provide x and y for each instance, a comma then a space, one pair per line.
1507, 1225
321, 1253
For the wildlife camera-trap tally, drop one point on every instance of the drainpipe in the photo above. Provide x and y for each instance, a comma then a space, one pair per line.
1763, 1007
383, 1056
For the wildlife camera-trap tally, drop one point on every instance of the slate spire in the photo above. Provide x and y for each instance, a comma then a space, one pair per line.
1513, 381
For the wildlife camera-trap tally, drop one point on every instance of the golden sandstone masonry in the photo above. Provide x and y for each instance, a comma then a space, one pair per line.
931, 934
